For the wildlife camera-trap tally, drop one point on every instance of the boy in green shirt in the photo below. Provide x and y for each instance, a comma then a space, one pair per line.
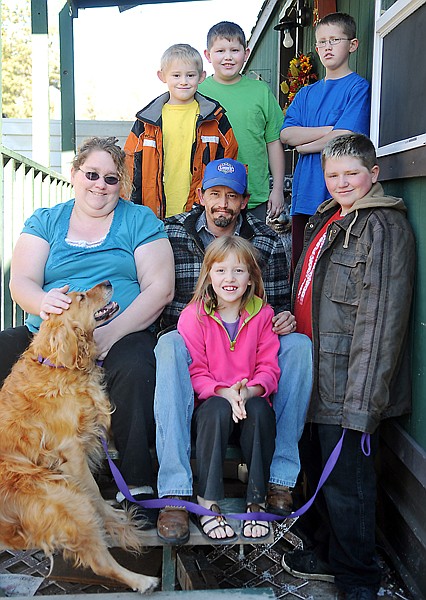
254, 113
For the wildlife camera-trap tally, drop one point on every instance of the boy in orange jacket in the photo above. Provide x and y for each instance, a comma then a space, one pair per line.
175, 136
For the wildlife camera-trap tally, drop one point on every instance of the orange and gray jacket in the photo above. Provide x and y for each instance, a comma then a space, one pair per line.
144, 147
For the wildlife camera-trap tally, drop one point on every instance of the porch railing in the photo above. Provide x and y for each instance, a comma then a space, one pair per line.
24, 186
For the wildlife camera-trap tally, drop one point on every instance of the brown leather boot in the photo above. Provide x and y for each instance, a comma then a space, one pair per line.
173, 523
279, 500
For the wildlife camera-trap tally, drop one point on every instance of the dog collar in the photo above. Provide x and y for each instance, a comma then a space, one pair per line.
46, 361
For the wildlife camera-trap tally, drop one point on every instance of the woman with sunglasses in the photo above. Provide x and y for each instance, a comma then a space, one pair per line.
77, 244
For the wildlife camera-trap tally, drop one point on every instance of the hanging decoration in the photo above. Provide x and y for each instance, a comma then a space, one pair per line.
300, 73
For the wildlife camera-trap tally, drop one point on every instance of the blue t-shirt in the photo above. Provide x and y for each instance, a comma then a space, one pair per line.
83, 267
343, 103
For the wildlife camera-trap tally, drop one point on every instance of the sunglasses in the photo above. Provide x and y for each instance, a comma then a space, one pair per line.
92, 176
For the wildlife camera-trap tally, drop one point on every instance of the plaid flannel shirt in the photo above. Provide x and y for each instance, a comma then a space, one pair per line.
188, 251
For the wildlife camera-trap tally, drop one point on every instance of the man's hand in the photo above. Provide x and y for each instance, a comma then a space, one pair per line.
284, 323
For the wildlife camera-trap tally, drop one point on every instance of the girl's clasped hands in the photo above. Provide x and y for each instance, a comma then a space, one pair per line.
237, 396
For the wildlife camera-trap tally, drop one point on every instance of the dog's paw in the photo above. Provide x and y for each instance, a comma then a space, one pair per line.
146, 584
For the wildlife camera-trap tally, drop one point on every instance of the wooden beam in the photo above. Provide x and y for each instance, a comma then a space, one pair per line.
66, 38
40, 83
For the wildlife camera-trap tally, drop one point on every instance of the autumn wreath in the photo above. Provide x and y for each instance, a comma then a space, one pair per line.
300, 73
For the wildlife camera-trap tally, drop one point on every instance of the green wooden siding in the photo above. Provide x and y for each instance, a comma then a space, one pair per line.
363, 13
264, 61
402, 480
413, 191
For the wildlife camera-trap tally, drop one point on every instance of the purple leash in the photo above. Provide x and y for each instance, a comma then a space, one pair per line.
260, 516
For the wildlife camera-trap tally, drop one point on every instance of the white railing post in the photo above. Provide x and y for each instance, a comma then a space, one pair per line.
24, 186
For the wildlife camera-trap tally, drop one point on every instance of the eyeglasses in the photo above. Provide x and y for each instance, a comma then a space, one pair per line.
331, 42
93, 176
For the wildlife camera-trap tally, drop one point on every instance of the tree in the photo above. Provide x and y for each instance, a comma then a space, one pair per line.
17, 59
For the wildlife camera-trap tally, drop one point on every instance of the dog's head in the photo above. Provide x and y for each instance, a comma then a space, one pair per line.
66, 340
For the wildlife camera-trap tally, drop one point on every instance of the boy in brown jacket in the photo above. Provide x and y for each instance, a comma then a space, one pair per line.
352, 293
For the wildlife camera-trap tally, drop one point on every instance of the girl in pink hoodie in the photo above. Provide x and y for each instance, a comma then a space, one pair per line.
227, 328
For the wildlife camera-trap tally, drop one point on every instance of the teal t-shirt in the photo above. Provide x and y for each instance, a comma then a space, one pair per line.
256, 119
83, 267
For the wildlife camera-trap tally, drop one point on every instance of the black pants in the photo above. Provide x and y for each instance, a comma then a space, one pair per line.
212, 427
298, 223
259, 211
130, 376
13, 342
346, 508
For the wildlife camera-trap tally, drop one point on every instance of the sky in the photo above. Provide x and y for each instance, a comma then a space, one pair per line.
117, 55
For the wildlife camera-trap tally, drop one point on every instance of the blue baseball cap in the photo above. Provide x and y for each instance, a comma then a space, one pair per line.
227, 172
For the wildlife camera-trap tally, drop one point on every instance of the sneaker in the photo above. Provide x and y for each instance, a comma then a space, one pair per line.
146, 517
361, 593
305, 564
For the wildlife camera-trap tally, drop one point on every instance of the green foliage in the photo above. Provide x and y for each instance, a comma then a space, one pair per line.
17, 59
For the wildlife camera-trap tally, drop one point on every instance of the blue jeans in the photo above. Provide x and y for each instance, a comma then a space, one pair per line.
290, 403
174, 403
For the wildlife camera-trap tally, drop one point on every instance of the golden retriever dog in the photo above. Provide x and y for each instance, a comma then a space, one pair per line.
53, 412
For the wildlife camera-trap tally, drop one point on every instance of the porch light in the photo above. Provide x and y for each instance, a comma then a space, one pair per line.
301, 18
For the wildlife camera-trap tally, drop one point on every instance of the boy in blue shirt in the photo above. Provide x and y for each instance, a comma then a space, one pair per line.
337, 104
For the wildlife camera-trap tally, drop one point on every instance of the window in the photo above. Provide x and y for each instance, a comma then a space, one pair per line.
398, 121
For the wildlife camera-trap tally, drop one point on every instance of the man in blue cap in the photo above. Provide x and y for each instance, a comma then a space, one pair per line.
222, 211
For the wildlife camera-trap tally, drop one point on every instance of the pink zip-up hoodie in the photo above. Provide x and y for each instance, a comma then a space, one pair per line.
219, 362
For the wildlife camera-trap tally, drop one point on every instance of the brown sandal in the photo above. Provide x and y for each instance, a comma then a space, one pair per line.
255, 508
221, 522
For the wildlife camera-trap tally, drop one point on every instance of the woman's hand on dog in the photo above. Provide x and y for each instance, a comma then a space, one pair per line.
55, 301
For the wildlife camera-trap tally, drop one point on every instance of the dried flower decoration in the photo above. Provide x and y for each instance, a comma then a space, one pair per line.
299, 74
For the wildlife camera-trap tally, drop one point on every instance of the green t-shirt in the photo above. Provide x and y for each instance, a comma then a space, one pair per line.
256, 119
